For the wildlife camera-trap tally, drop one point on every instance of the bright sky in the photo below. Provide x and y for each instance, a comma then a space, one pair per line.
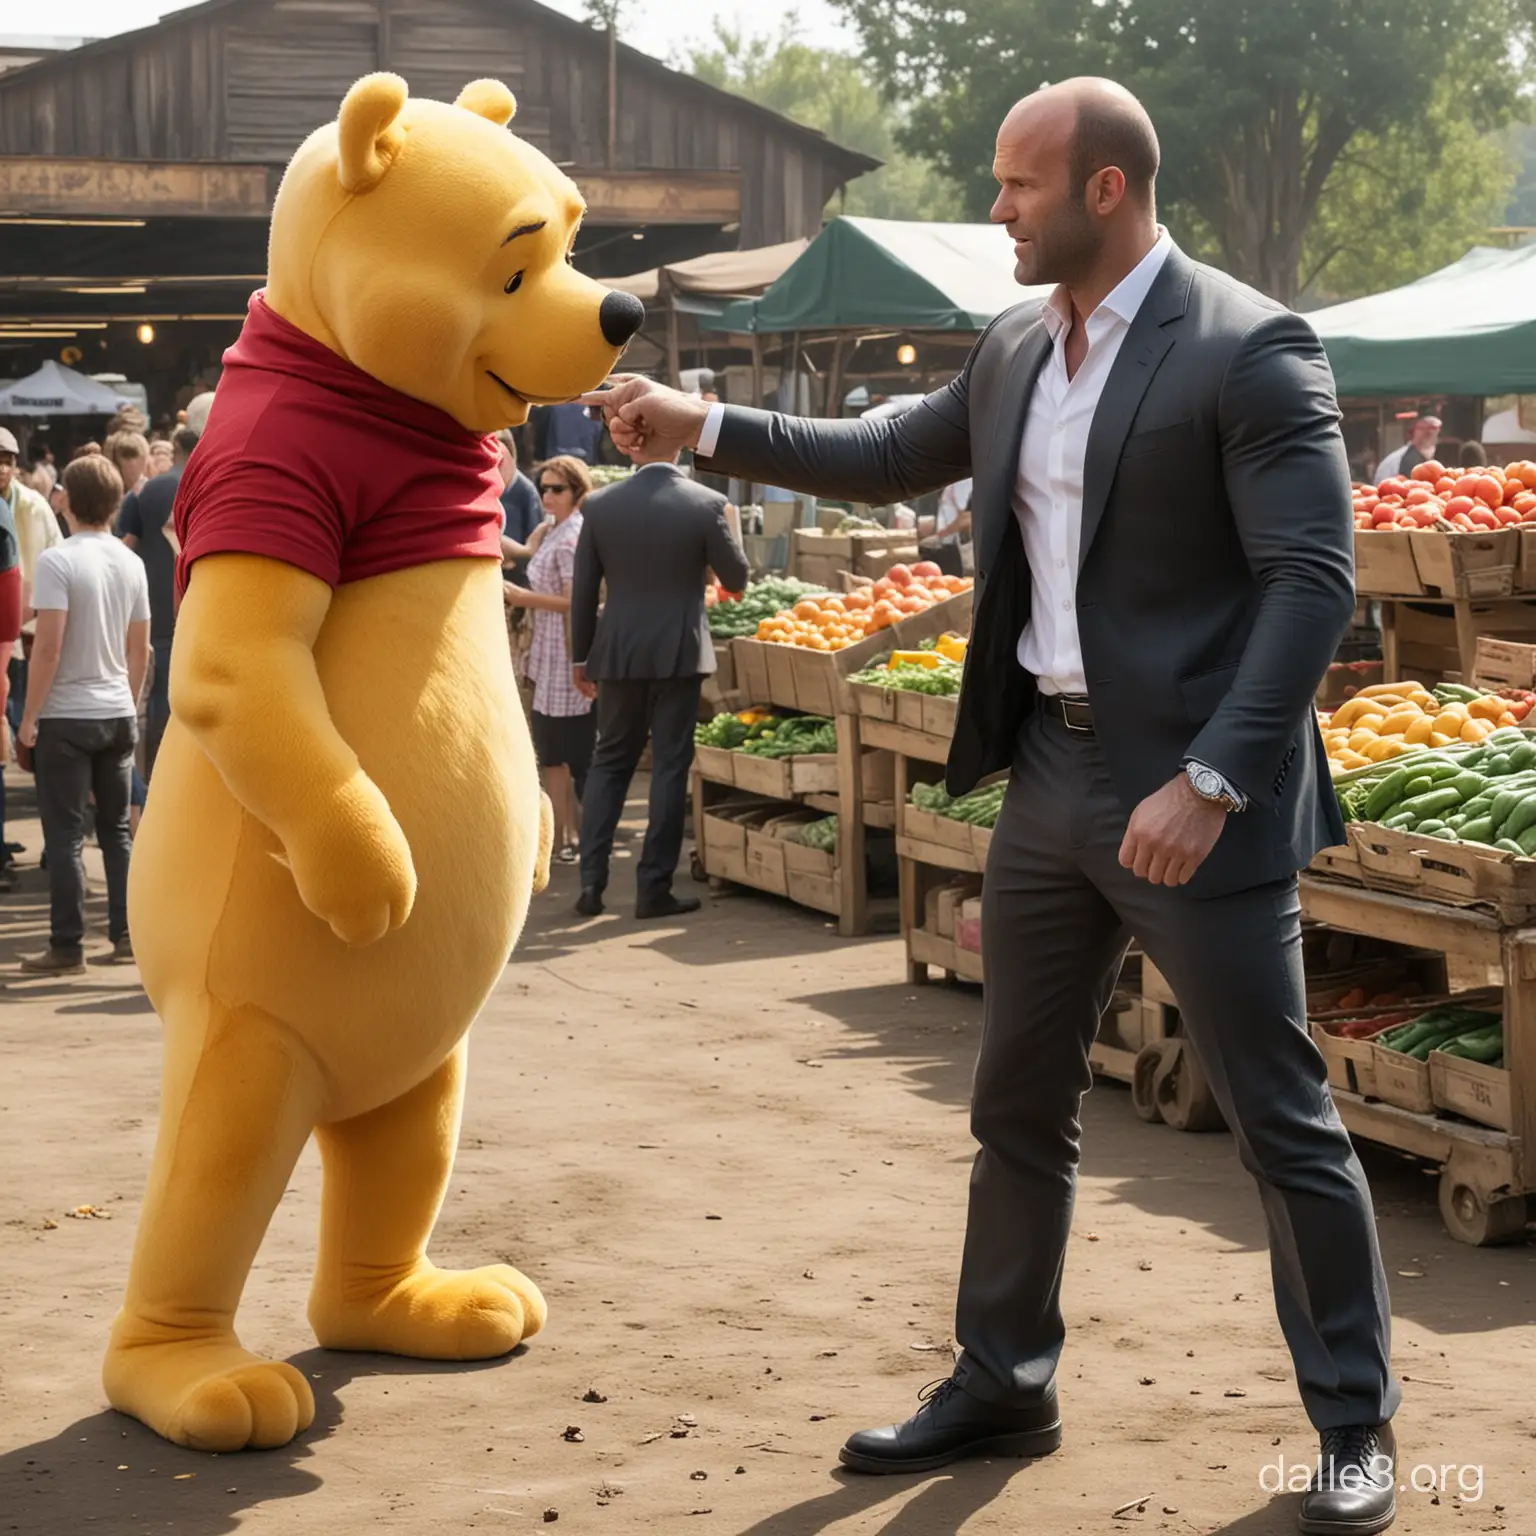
662, 27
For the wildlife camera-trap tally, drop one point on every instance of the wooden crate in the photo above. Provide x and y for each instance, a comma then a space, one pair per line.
1402, 1081
821, 557
812, 878
1525, 573
929, 949
1384, 564
1481, 565
782, 778
766, 868
1458, 874
934, 831
1470, 1088
1505, 663
1341, 863
716, 764
816, 681
1351, 1063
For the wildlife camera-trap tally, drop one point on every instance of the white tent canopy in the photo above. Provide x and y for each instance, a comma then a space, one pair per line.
55, 390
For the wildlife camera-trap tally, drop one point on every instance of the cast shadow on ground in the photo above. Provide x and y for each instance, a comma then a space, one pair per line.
946, 1500
108, 1473
933, 1032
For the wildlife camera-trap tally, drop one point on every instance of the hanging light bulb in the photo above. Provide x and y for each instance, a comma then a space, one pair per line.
906, 354
146, 334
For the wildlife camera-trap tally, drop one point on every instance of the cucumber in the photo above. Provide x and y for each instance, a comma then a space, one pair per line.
1523, 756
1523, 816
1443, 799
1431, 828
1469, 784
1385, 795
1419, 784
1497, 765
1506, 845
1400, 822
1527, 840
1476, 829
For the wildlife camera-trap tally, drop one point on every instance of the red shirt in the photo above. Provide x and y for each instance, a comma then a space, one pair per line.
309, 460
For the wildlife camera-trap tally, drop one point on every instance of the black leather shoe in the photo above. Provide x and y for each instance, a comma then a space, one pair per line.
1353, 1491
590, 902
666, 906
951, 1424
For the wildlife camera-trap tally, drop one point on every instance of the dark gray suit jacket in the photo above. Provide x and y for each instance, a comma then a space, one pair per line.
651, 538
1216, 575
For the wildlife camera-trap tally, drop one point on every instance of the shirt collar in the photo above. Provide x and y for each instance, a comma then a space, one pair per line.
1124, 301
640, 469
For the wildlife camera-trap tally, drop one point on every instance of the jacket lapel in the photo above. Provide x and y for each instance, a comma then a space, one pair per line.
1146, 344
996, 501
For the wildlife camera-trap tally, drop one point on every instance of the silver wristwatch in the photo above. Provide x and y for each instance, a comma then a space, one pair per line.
1210, 785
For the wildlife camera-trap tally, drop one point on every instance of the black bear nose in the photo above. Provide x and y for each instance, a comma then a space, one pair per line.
620, 316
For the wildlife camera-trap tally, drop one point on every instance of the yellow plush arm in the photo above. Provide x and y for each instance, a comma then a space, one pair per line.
243, 681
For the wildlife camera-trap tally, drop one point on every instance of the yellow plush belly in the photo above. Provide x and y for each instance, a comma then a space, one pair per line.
418, 680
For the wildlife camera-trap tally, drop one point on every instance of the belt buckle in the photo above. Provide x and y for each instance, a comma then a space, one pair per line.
1067, 708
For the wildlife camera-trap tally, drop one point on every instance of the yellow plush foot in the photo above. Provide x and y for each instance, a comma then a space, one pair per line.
431, 1313
209, 1394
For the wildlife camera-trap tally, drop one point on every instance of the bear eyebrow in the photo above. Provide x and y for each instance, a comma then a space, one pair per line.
525, 229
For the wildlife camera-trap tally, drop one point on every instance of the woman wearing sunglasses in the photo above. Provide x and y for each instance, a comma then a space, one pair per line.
563, 725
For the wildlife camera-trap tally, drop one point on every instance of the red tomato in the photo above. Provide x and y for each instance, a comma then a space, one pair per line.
1419, 493
1445, 485
1467, 485
1489, 490
1484, 518
1430, 469
1459, 504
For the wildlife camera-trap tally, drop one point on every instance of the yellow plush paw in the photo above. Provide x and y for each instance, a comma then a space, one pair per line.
432, 1314
211, 1395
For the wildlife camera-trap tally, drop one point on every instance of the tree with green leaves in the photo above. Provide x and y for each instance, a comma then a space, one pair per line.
831, 92
1271, 115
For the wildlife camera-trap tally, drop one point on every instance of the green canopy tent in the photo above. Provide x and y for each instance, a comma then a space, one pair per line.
862, 277
1469, 329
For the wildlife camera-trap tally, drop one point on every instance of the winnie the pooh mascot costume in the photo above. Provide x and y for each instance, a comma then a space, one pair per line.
343, 838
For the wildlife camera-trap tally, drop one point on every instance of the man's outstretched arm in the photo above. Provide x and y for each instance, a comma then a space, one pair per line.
869, 461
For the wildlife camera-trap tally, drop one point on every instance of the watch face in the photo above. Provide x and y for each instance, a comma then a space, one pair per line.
1207, 782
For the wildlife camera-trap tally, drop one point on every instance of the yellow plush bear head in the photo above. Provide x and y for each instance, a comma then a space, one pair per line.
431, 248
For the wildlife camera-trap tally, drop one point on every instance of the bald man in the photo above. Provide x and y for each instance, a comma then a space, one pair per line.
1163, 536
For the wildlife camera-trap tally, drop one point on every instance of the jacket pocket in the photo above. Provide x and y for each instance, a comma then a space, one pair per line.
1204, 691
1178, 435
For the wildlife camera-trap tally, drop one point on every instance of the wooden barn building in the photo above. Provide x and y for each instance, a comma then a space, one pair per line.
137, 173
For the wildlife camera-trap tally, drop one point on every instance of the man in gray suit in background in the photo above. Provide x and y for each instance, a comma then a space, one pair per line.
1163, 542
653, 538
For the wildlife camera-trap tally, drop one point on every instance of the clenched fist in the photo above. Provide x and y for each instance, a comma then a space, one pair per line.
643, 415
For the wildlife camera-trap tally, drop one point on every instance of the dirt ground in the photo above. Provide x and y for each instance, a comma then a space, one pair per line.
733, 1152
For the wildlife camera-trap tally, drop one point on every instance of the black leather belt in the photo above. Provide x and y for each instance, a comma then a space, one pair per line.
1074, 711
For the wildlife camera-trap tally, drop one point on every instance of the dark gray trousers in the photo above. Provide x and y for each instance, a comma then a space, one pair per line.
630, 710
1058, 912
74, 760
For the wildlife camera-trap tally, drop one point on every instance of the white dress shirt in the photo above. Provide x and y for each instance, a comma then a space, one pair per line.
1048, 493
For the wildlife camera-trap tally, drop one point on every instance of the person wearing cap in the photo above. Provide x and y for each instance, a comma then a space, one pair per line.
1423, 435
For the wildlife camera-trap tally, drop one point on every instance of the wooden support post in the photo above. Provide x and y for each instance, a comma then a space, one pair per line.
910, 888
834, 407
674, 350
1389, 663
1520, 1052
853, 915
1466, 636
613, 96
385, 50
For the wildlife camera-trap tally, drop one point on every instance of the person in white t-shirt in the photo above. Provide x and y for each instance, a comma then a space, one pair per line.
89, 659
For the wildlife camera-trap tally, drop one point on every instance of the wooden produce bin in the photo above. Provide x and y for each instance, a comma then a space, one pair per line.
1403, 563
821, 557
816, 681
1487, 1169
1433, 645
857, 785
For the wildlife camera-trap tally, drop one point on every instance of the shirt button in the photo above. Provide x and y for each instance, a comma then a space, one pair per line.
1066, 606
1061, 565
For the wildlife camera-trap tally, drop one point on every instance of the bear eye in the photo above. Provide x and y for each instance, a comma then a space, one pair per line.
514, 282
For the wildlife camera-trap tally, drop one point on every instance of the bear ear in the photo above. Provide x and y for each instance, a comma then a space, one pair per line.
490, 99
370, 133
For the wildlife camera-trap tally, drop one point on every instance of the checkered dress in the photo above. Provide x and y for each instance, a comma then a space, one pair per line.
549, 658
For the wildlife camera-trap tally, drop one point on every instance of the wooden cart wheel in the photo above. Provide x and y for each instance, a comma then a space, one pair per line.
1470, 1217
1183, 1095
1143, 1077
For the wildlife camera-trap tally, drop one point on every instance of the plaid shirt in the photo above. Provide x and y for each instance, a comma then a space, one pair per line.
549, 658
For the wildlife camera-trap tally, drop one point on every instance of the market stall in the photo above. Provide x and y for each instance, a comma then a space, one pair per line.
892, 299
1430, 1039
787, 789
